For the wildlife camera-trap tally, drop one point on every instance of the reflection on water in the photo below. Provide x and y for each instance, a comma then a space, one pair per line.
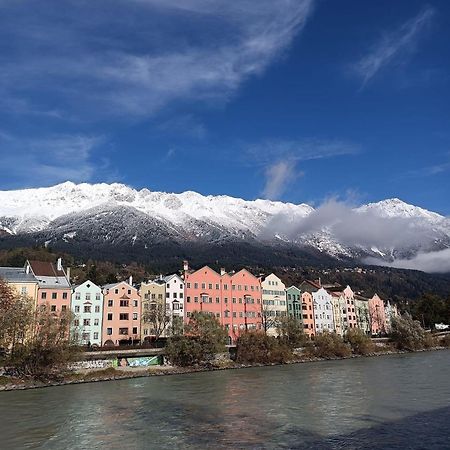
385, 402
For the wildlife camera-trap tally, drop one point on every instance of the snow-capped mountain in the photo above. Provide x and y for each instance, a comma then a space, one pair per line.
116, 215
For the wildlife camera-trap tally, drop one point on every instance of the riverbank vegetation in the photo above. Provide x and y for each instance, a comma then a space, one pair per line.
35, 342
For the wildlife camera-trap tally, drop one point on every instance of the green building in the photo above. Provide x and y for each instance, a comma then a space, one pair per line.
294, 302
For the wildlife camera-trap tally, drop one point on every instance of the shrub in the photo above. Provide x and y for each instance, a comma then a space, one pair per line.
255, 347
203, 339
445, 342
360, 343
290, 331
330, 345
407, 334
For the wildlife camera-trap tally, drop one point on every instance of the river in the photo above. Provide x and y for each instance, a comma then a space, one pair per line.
396, 402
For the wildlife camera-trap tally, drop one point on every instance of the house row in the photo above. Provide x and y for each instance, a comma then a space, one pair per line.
119, 312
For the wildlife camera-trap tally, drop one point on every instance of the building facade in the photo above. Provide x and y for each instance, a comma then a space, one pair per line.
175, 301
54, 289
309, 324
153, 296
121, 314
87, 307
377, 316
21, 280
234, 299
362, 313
323, 311
274, 302
294, 302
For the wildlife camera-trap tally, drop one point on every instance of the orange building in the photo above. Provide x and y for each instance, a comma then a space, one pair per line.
121, 314
308, 314
233, 298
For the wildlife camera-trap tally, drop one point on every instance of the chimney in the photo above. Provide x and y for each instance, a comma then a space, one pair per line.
59, 264
130, 280
27, 270
160, 276
222, 271
185, 265
68, 273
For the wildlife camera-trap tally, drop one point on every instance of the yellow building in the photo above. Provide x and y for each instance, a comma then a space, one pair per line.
152, 293
21, 280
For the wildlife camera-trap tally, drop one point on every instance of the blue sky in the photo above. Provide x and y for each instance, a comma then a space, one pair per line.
293, 100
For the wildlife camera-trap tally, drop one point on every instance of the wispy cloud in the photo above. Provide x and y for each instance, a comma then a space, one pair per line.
278, 177
393, 45
184, 125
297, 150
191, 50
49, 160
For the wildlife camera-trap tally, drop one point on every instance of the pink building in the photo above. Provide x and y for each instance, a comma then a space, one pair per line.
348, 309
233, 298
309, 324
121, 314
54, 287
377, 315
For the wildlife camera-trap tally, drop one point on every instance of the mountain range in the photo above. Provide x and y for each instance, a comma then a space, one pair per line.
107, 219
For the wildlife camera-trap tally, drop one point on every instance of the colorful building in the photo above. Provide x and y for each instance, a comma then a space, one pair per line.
309, 325
153, 296
377, 316
323, 311
121, 314
294, 302
274, 302
21, 280
54, 287
233, 298
87, 307
391, 312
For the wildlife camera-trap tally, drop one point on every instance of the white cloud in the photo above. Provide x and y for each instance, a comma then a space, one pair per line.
433, 262
278, 177
122, 60
393, 45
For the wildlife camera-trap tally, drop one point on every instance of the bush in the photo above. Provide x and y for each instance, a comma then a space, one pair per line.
290, 331
330, 345
445, 342
407, 334
203, 339
255, 347
360, 343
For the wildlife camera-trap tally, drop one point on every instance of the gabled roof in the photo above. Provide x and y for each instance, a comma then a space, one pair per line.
45, 269
167, 278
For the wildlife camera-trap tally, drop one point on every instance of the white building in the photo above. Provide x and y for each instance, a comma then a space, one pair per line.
87, 306
175, 297
274, 302
323, 310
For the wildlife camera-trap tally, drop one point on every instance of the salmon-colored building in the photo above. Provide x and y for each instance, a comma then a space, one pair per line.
233, 298
54, 287
309, 325
121, 314
377, 315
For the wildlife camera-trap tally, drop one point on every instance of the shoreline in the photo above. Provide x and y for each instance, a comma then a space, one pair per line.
115, 374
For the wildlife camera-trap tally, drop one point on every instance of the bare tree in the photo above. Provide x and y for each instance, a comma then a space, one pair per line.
268, 318
158, 319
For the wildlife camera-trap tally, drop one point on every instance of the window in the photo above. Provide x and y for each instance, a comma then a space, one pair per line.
203, 285
109, 331
63, 307
195, 299
96, 335
88, 297
110, 316
195, 285
217, 287
124, 316
54, 295
77, 309
234, 299
96, 322
188, 285
123, 331
77, 296
86, 322
174, 295
210, 286
129, 291
124, 303
116, 291
167, 294
135, 303
87, 308
135, 316
181, 295
97, 297
160, 296
225, 287
134, 330
76, 322
86, 336
24, 290
44, 295
97, 309
188, 299
217, 300
53, 308
226, 300
110, 303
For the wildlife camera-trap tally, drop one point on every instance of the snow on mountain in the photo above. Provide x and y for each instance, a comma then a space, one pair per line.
116, 213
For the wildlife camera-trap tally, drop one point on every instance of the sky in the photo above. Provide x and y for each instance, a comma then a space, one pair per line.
299, 101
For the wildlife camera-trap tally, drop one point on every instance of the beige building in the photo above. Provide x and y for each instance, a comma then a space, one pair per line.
273, 303
153, 293
22, 280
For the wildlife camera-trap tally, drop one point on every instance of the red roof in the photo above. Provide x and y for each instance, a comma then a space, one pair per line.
45, 269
